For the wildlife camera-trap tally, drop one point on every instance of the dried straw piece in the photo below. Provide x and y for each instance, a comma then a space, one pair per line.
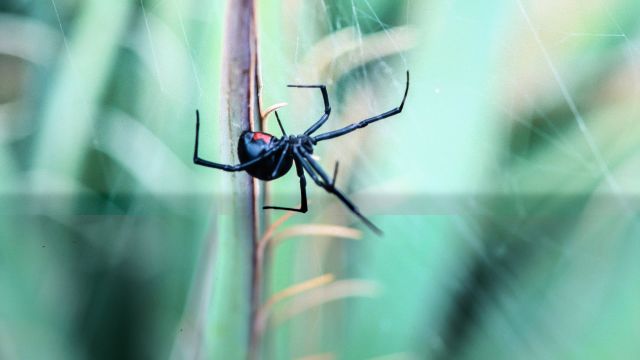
334, 231
263, 312
335, 291
323, 356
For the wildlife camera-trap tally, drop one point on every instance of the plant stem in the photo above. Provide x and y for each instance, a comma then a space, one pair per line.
238, 280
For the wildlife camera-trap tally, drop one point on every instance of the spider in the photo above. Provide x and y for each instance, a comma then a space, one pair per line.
267, 157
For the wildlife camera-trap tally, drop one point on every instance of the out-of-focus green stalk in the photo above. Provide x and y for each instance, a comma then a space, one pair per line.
79, 81
37, 259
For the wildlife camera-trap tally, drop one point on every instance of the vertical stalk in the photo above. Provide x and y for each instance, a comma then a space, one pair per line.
237, 283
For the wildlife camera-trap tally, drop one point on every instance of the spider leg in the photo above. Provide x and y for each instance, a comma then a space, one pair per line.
335, 174
322, 179
327, 107
280, 160
349, 128
303, 191
239, 167
284, 133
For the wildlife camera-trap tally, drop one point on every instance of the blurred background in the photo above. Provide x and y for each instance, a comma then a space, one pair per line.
507, 188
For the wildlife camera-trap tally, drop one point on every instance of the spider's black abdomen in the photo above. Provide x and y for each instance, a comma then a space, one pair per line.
253, 144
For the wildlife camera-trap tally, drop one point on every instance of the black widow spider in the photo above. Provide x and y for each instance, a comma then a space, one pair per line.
267, 157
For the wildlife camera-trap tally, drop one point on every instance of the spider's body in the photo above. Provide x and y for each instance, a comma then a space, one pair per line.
252, 145
267, 157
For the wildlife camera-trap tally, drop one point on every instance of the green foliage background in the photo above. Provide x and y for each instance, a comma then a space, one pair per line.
507, 189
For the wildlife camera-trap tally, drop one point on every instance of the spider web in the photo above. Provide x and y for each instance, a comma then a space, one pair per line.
359, 56
510, 175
